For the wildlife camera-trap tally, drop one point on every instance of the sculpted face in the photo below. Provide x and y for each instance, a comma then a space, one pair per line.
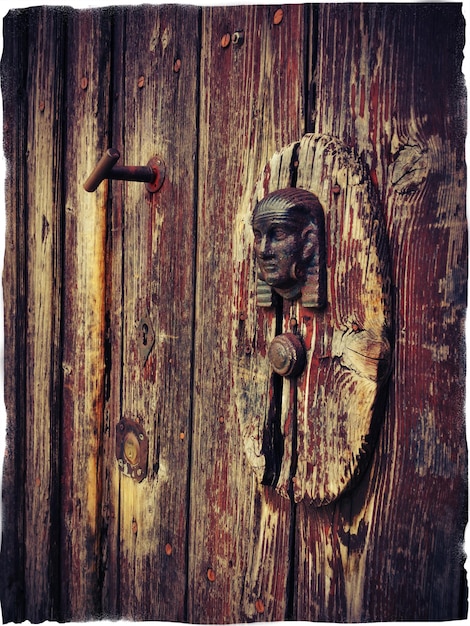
284, 240
278, 248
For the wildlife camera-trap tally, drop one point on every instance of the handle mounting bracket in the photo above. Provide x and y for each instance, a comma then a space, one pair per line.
152, 174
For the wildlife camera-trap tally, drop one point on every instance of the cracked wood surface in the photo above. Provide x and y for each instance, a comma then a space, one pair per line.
200, 539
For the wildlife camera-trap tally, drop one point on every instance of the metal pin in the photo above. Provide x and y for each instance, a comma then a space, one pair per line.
238, 38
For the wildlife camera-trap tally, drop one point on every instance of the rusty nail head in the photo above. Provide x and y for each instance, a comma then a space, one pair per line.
177, 66
210, 575
259, 605
141, 82
278, 15
225, 41
42, 105
168, 549
336, 189
84, 82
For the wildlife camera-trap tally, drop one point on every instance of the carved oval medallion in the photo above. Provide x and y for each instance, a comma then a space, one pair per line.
311, 435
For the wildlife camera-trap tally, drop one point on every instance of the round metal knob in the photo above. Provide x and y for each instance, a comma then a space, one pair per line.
287, 355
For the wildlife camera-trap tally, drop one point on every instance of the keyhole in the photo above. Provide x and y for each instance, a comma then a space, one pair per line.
145, 330
145, 338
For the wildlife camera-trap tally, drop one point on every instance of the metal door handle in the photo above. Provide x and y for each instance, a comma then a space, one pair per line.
153, 174
287, 355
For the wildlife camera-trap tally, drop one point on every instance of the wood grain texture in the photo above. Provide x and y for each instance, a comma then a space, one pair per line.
83, 364
14, 100
44, 220
394, 546
350, 343
250, 104
200, 539
151, 276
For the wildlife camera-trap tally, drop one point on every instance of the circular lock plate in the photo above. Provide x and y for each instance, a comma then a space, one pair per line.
131, 449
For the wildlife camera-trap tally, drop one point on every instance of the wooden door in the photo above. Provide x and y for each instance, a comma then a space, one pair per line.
128, 305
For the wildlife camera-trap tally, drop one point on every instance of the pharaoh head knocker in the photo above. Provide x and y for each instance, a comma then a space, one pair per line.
289, 231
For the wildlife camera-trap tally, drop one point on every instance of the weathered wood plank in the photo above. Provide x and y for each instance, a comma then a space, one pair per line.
152, 279
13, 74
88, 69
42, 249
44, 246
251, 104
392, 549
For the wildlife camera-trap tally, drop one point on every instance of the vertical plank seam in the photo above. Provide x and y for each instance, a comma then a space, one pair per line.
20, 349
192, 380
109, 290
61, 160
107, 341
310, 39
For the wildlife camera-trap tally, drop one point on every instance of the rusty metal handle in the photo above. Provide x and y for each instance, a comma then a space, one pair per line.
153, 174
